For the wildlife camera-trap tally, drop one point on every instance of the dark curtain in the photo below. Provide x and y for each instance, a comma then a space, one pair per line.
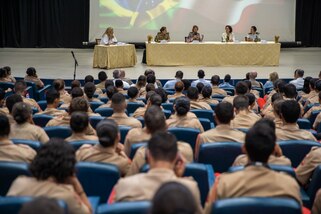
44, 23
308, 22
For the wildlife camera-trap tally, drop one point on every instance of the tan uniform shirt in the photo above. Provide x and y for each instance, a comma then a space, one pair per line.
309, 163
317, 121
28, 131
81, 136
293, 132
218, 91
209, 101
244, 120
93, 99
229, 99
130, 100
21, 187
200, 105
107, 105
98, 153
242, 160
17, 153
101, 85
122, 91
53, 112
65, 97
123, 120
176, 95
139, 159
35, 80
143, 186
32, 103
4, 111
307, 115
140, 112
136, 135
313, 98
184, 121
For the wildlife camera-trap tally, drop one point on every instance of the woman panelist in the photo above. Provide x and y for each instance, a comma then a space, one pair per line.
108, 37
194, 35
162, 35
228, 35
253, 36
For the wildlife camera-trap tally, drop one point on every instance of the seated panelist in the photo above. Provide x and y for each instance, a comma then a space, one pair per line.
194, 35
253, 36
162, 35
108, 37
228, 35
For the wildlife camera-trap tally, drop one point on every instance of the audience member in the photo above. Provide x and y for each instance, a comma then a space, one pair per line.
10, 102
20, 89
187, 85
53, 101
304, 94
161, 92
75, 92
42, 205
75, 83
157, 84
272, 78
89, 90
59, 85
298, 81
33, 77
307, 115
116, 76
179, 87
201, 75
192, 94
152, 99
102, 77
133, 94
110, 91
314, 97
8, 69
268, 112
207, 96
123, 77
3, 109
4, 75
170, 84
241, 88
140, 85
226, 82
90, 78
120, 87
215, 80
253, 80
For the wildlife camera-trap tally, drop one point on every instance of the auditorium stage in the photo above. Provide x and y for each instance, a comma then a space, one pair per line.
58, 63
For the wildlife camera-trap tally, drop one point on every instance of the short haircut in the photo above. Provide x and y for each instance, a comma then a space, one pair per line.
241, 102
89, 78
318, 85
117, 102
155, 119
151, 78
20, 86
224, 112
290, 91
291, 111
79, 122
11, 100
141, 81
182, 105
173, 197
55, 159
260, 141
77, 92
42, 205
4, 126
109, 83
52, 95
78, 104
110, 91
163, 147
155, 99
187, 84
276, 96
241, 88
300, 72
207, 91
179, 86
161, 92
149, 94
251, 98
248, 83
227, 78
312, 83
200, 87
215, 80
119, 84
59, 84
277, 105
21, 112
75, 83
107, 131
31, 71
179, 75
90, 89
280, 86
276, 82
132, 92
192, 93
116, 74
201, 74
102, 76
149, 71
150, 87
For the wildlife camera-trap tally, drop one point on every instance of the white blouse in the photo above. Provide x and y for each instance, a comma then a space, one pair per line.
231, 37
106, 41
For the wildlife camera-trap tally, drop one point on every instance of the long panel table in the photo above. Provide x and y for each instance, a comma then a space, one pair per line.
114, 56
213, 54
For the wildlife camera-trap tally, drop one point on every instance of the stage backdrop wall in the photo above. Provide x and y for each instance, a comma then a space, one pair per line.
39, 23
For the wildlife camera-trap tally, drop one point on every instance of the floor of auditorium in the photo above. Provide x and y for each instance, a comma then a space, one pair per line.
58, 63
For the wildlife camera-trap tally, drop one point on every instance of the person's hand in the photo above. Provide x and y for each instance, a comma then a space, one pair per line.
180, 166
119, 148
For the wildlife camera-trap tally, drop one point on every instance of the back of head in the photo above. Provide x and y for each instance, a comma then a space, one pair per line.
118, 102
224, 112
107, 132
155, 100
207, 91
249, 84
132, 92
42, 205
89, 78
59, 84
150, 87
318, 85
110, 91
75, 83
116, 74
290, 111
119, 84
192, 93
179, 75
199, 87
55, 159
241, 88
182, 105
227, 78
149, 94
260, 141
276, 96
179, 86
4, 126
52, 95
21, 112
90, 89
306, 86
161, 92
109, 83
78, 104
20, 87
280, 86
187, 84
299, 72
277, 106
312, 83
241, 102
276, 83
155, 119
253, 75
102, 76
79, 122
12, 100
201, 74
215, 80
274, 76
31, 71
251, 98
173, 197
122, 74
151, 78
149, 71
290, 91
163, 147
77, 92
141, 81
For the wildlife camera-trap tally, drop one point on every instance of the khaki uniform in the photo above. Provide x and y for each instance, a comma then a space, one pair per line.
256, 83
65, 97
48, 188
176, 95
107, 105
35, 80
93, 99
140, 112
122, 91
317, 121
316, 209
5, 79
218, 91
242, 160
268, 111
143, 186
200, 105
307, 115
160, 36
4, 111
130, 100
81, 136
98, 153
17, 153
139, 159
123, 120
142, 92
244, 120
28, 131
32, 103
313, 98
184, 121
293, 132
309, 163
278, 122
53, 112
269, 99
101, 85
136, 135
229, 99
209, 101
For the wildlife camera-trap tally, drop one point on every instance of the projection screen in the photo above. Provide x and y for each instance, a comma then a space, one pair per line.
133, 20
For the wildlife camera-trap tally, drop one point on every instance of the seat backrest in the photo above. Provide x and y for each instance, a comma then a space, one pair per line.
135, 147
315, 183
296, 150
104, 99
123, 132
202, 113
9, 171
168, 107
304, 124
97, 179
255, 205
218, 96
141, 120
95, 105
94, 120
105, 112
314, 115
132, 106
58, 131
41, 119
6, 85
213, 106
167, 113
77, 144
220, 155
42, 104
134, 207
187, 135
206, 123
33, 144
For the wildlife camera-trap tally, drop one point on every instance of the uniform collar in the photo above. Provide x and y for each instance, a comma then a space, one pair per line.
5, 142
122, 115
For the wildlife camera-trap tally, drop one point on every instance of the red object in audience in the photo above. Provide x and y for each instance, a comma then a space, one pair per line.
306, 210
111, 198
261, 102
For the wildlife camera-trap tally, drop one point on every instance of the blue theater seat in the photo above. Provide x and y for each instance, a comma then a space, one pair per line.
94, 120
41, 119
58, 131
135, 207
77, 144
33, 144
132, 106
187, 135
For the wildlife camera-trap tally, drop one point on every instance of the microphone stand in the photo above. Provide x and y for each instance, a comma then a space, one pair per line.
76, 64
